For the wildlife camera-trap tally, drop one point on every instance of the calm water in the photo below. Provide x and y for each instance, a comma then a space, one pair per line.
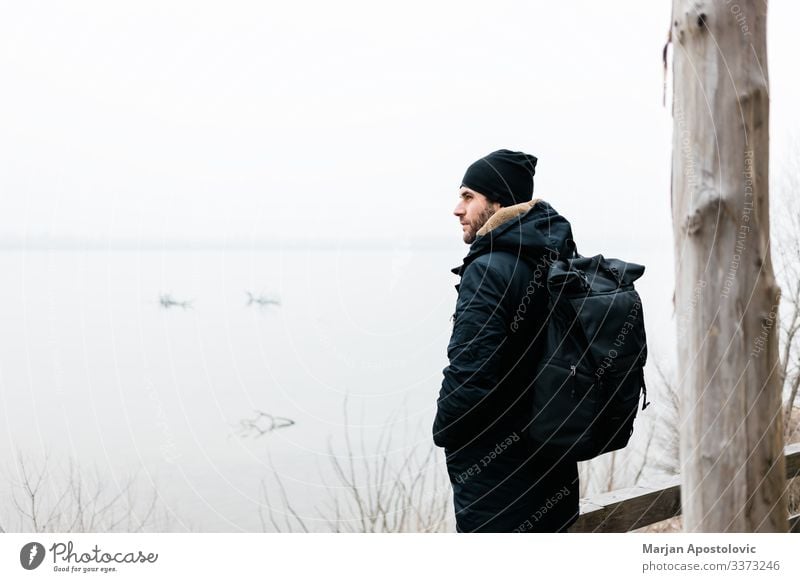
93, 367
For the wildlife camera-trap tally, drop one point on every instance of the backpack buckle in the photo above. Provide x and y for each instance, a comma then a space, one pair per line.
584, 280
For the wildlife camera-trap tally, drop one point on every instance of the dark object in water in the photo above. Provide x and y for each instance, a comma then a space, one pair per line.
262, 424
166, 301
261, 300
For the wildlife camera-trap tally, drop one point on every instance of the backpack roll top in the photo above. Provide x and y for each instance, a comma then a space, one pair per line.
587, 386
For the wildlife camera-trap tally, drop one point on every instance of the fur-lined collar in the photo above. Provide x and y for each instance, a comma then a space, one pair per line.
505, 214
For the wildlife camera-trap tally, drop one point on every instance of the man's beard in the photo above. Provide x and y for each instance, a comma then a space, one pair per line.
475, 225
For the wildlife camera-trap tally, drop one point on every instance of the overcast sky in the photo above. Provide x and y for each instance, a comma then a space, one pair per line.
320, 120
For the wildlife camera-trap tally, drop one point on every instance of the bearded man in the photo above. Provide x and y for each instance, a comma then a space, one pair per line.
501, 481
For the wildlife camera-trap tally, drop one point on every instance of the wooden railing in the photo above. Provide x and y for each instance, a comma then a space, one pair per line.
629, 509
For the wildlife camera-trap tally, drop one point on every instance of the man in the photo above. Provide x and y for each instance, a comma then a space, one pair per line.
501, 482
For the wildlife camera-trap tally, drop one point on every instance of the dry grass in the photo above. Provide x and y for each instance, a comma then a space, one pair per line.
44, 498
385, 487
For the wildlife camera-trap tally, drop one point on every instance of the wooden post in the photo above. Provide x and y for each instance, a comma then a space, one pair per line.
726, 297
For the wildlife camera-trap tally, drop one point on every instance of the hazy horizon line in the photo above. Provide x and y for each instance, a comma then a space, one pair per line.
70, 242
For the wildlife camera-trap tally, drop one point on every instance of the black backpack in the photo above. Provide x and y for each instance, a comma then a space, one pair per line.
587, 385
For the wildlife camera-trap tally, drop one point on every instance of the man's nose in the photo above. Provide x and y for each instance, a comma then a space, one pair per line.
459, 209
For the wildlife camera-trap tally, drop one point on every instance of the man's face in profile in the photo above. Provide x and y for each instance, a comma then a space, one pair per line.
473, 210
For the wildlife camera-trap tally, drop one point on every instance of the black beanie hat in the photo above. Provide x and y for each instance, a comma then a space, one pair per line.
503, 176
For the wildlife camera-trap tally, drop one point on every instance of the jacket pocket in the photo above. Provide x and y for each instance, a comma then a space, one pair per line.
620, 404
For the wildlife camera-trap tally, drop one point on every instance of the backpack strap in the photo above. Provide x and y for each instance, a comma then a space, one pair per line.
645, 403
572, 245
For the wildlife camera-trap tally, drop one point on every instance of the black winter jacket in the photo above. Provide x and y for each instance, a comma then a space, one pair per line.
500, 481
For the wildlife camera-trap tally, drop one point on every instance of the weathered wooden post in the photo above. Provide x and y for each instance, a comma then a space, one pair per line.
726, 297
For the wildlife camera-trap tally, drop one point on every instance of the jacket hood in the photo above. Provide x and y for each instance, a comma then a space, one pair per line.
526, 229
